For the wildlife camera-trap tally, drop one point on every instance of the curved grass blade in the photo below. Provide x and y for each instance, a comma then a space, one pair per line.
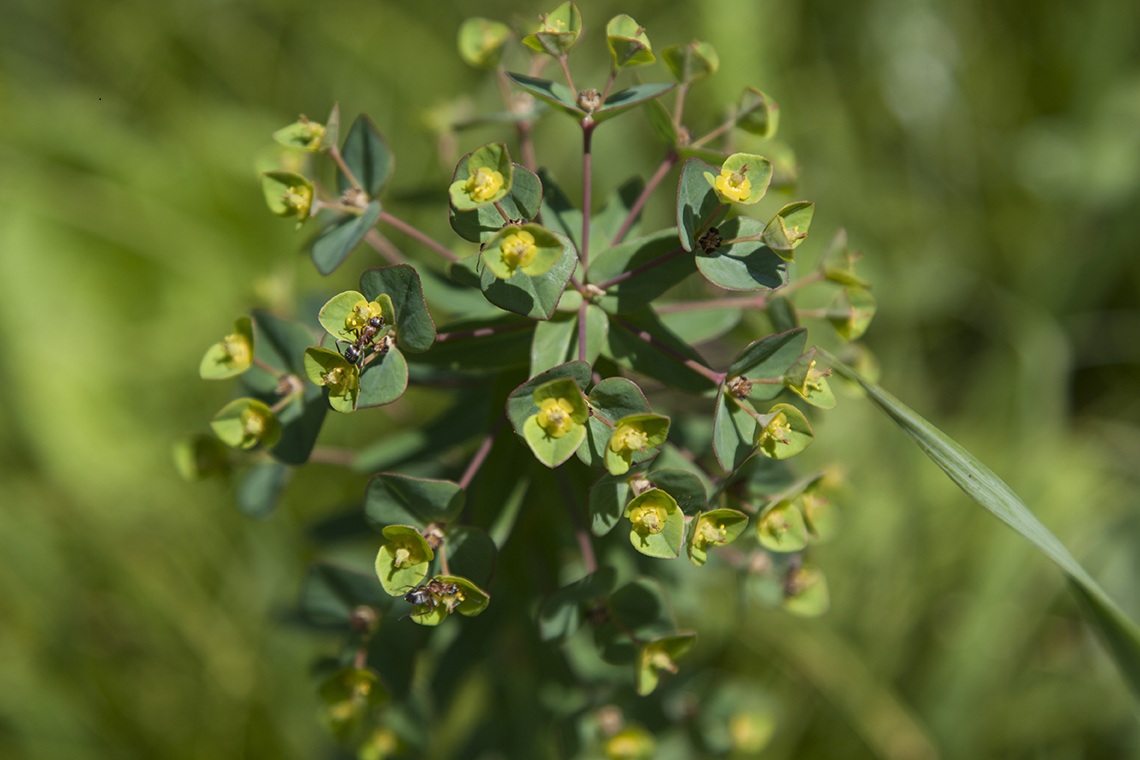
1119, 633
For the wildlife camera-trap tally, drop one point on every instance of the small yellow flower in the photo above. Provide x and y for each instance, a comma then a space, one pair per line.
554, 417
298, 199
734, 185
518, 249
629, 438
360, 314
253, 425
483, 184
776, 431
648, 518
709, 532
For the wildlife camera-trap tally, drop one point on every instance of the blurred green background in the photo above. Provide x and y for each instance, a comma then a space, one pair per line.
984, 156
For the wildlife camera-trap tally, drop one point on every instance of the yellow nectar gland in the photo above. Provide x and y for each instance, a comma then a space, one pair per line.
648, 519
360, 314
554, 417
734, 185
777, 430
483, 184
236, 349
628, 438
660, 659
253, 424
518, 250
298, 200
710, 533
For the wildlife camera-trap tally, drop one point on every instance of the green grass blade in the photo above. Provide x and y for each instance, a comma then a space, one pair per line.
1118, 632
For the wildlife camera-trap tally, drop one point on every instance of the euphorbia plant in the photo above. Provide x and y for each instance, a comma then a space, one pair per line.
567, 324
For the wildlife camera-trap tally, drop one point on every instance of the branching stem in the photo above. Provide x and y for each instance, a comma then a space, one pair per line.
417, 235
715, 377
629, 274
480, 455
662, 170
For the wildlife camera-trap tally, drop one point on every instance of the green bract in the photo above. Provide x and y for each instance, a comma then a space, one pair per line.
743, 179
332, 371
757, 113
230, 356
303, 135
716, 527
448, 594
482, 177
783, 432
246, 423
628, 44
346, 314
481, 42
557, 31
691, 62
805, 592
851, 312
809, 382
660, 656
288, 194
788, 228
781, 528
350, 696
558, 428
403, 559
529, 249
201, 456
657, 524
634, 434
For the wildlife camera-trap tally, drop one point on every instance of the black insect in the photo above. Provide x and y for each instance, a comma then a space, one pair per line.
430, 595
356, 351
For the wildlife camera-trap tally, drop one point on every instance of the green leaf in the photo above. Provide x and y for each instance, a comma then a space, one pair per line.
661, 121
746, 264
771, 356
630, 97
684, 486
330, 593
339, 237
367, 156
734, 431
657, 524
701, 325
558, 212
564, 611
607, 501
481, 42
556, 341
403, 559
628, 43
810, 383
522, 202
415, 329
637, 609
383, 380
640, 288
534, 297
631, 351
259, 488
201, 456
392, 499
1121, 635
610, 400
470, 552
554, 93
698, 206
506, 344
838, 263
783, 432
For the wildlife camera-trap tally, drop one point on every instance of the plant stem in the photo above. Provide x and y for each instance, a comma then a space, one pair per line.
261, 364
588, 126
629, 274
666, 164
714, 133
383, 247
582, 330
716, 377
609, 84
679, 107
335, 155
480, 455
481, 332
566, 73
754, 302
334, 456
415, 234
581, 535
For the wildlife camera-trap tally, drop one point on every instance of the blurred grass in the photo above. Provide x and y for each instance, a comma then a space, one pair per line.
985, 158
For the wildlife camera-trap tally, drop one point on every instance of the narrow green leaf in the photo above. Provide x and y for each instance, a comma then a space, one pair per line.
746, 264
415, 330
626, 99
393, 499
367, 156
1120, 634
644, 286
336, 239
554, 93
698, 206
